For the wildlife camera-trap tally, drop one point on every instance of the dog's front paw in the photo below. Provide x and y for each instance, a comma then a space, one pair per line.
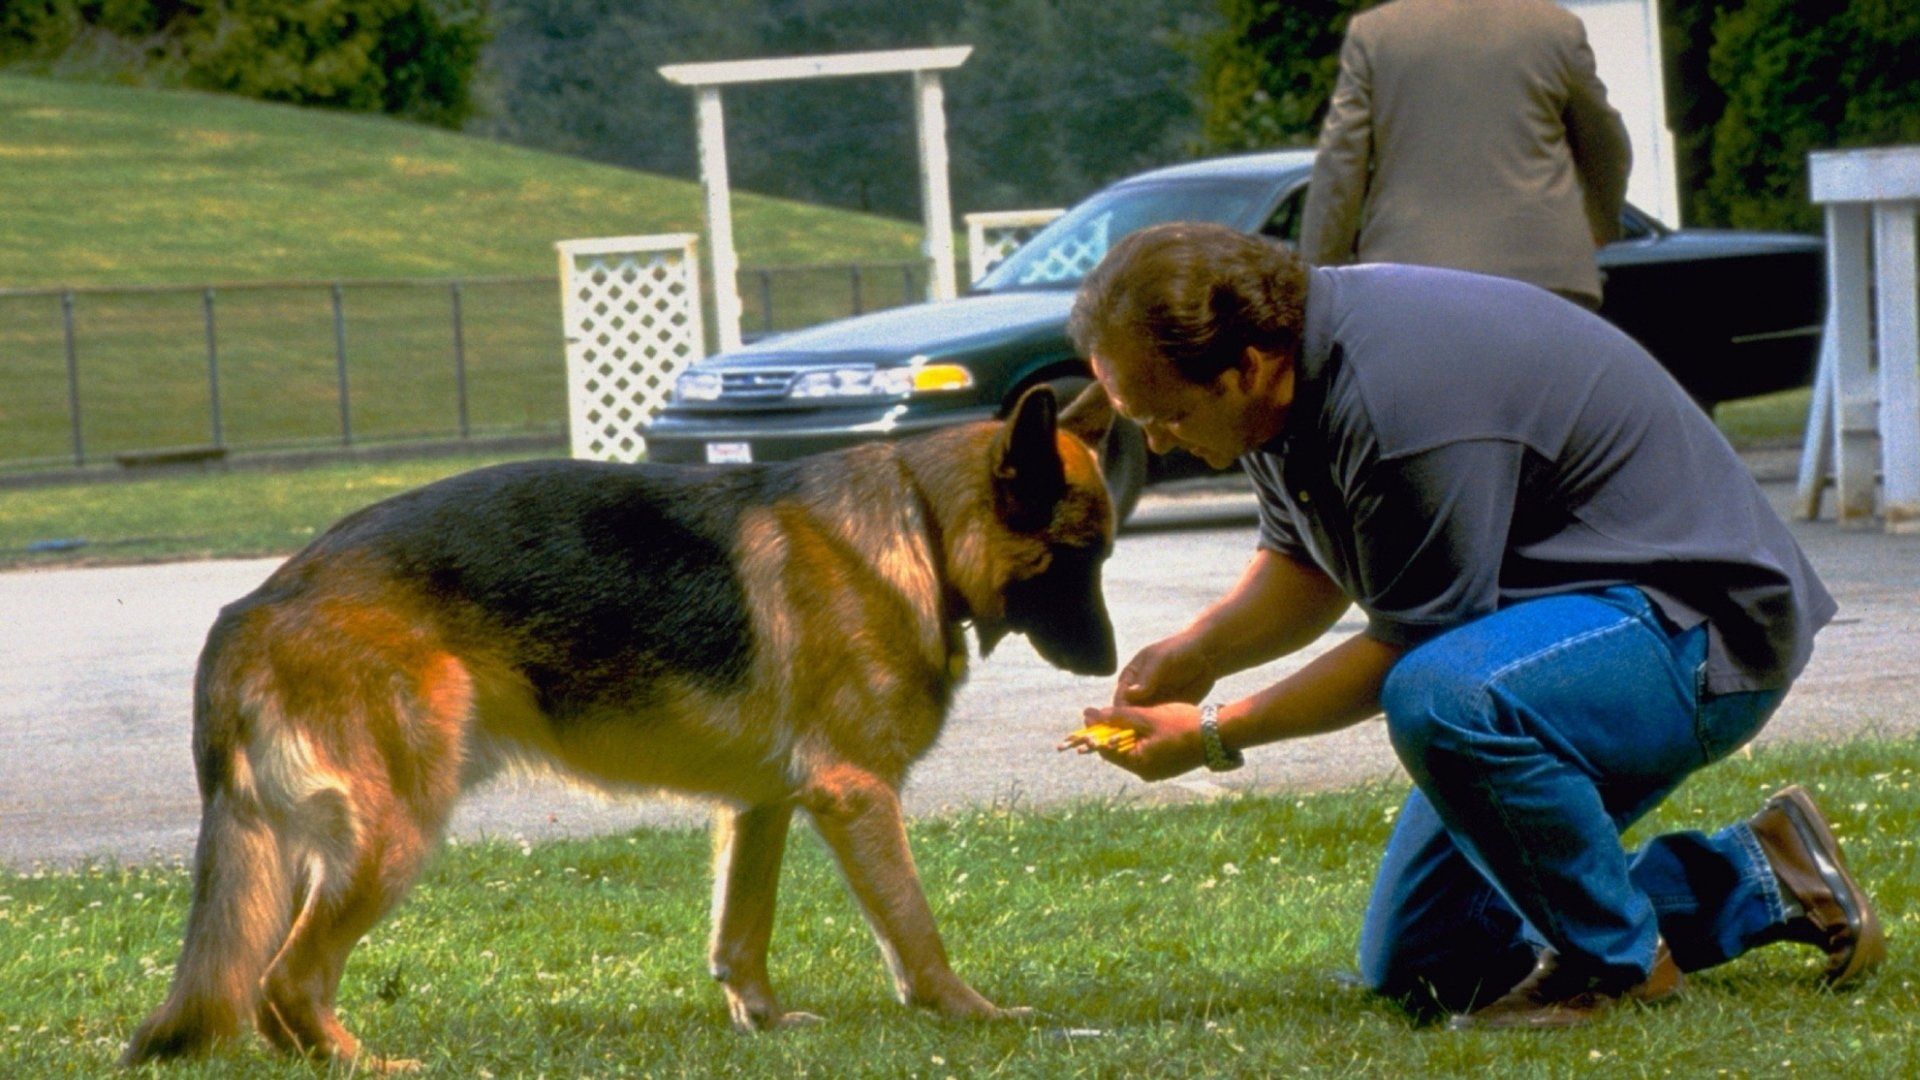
996, 1014
964, 1003
756, 1013
773, 1021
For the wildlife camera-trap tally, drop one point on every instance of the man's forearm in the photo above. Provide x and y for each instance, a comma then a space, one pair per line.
1336, 690
1277, 607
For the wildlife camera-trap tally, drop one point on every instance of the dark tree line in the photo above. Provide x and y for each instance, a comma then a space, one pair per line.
408, 58
1057, 97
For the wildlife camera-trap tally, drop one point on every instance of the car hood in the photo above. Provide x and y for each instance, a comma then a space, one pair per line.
942, 328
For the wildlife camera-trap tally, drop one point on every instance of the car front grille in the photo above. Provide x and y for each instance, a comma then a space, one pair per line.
757, 385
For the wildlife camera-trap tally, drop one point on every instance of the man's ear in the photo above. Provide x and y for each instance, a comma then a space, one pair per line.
1089, 416
1259, 367
1028, 478
1246, 371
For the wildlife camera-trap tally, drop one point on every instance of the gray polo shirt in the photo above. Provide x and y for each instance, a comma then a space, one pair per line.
1459, 443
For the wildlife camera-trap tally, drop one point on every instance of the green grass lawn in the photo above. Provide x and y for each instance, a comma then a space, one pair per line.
1771, 419
1190, 941
209, 515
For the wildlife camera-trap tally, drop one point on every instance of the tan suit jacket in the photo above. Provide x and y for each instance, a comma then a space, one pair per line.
1472, 134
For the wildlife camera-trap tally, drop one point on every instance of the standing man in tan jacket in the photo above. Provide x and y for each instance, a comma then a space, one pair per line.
1471, 134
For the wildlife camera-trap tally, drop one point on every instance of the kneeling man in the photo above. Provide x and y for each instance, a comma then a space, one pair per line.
1575, 595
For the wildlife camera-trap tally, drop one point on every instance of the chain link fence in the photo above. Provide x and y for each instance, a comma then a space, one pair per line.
126, 376
774, 299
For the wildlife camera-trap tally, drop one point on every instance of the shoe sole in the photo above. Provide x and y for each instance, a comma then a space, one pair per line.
1869, 942
1550, 1019
1664, 984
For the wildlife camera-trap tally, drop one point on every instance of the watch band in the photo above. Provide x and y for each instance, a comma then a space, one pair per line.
1219, 757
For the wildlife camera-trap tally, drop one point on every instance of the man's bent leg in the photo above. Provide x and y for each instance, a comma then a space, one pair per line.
1437, 936
1715, 893
1532, 731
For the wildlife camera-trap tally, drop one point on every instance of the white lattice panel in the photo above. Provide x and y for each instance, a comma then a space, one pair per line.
993, 235
1073, 256
631, 306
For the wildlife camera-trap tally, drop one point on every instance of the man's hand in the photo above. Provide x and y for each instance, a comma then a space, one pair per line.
1169, 670
1166, 739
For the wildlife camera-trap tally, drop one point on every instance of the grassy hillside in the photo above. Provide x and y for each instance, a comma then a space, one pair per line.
106, 185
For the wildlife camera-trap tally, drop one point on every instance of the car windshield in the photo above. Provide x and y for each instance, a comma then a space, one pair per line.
1062, 253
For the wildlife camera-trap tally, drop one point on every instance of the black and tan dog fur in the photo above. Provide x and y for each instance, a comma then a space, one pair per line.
773, 637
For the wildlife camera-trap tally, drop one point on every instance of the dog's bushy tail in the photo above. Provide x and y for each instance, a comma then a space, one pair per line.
241, 907
259, 798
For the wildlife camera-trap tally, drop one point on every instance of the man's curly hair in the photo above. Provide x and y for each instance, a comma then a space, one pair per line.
1195, 293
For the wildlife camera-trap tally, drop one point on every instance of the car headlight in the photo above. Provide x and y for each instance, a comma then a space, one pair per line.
833, 382
698, 386
914, 378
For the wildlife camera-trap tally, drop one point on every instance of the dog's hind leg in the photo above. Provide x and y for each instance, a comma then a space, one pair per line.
297, 1009
747, 849
404, 780
260, 784
858, 814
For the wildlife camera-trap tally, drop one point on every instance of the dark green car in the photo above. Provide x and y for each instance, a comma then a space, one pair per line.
1730, 314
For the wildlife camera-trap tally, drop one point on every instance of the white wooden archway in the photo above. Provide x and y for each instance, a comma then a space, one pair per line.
930, 125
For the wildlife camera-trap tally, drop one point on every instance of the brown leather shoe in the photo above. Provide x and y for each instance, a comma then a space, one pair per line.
1555, 996
1806, 859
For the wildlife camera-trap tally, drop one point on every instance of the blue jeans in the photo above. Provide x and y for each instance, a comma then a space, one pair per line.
1534, 736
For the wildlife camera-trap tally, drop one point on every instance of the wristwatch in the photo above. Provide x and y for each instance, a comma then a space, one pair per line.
1219, 757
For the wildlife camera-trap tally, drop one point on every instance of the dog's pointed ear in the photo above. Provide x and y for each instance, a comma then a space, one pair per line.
1028, 477
1089, 416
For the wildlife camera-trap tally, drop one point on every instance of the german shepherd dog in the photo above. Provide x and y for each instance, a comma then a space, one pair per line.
770, 637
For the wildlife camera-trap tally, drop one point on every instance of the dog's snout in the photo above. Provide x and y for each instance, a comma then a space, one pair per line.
1083, 648
1099, 660
1105, 665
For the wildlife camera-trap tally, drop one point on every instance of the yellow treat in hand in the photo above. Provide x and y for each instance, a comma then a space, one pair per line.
1107, 736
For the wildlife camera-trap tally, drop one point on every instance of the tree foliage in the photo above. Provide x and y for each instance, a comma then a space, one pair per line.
32, 28
411, 58
1266, 74
1694, 100
1800, 76
1057, 97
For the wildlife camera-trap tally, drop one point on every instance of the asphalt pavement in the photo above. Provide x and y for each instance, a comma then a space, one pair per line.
96, 668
